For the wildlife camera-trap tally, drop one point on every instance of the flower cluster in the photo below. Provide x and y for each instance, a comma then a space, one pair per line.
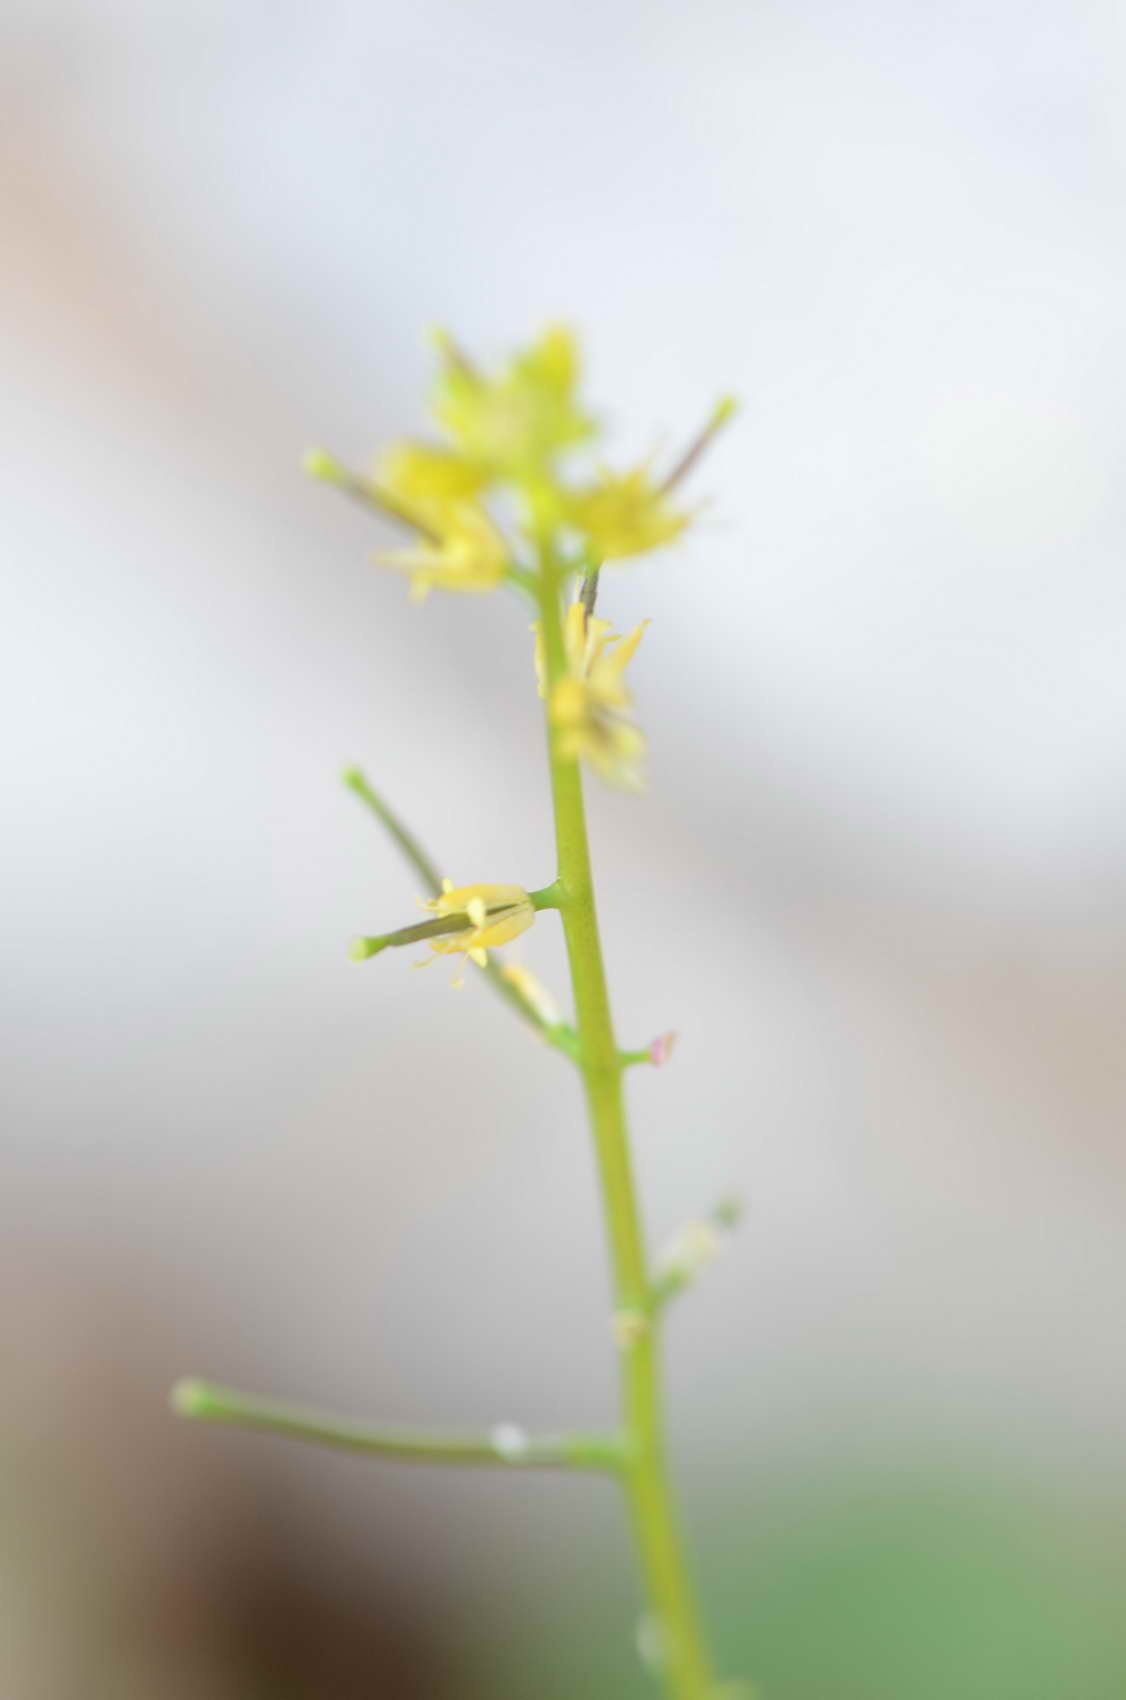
513, 426
505, 453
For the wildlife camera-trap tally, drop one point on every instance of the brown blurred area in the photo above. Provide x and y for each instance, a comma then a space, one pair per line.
138, 1558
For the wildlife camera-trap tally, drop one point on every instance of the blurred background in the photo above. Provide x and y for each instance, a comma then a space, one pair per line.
884, 836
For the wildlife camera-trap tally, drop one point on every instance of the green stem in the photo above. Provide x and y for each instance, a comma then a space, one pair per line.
504, 1445
685, 1663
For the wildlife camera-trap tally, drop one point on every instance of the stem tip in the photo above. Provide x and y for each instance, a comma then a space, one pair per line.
361, 949
319, 464
190, 1397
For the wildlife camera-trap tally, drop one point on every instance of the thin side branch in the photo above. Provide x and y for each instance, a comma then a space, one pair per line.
721, 413
506, 1445
690, 1252
588, 595
319, 464
357, 781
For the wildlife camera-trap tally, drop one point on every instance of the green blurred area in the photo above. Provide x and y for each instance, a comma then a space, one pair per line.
851, 1590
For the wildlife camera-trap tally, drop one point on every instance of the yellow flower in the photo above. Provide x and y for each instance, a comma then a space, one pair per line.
512, 425
496, 913
459, 549
590, 706
625, 514
427, 479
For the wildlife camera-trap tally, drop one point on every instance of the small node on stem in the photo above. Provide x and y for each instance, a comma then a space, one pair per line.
628, 1327
651, 1639
510, 1442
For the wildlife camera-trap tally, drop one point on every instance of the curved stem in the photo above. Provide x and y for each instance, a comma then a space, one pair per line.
684, 1659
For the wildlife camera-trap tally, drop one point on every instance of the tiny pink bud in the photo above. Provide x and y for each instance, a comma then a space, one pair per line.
661, 1049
